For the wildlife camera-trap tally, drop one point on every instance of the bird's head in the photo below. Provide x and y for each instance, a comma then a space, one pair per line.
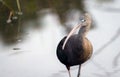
85, 21
84, 24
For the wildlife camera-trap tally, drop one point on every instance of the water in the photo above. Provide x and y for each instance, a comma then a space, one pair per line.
36, 53
33, 54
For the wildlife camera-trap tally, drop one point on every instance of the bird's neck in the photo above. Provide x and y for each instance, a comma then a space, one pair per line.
82, 32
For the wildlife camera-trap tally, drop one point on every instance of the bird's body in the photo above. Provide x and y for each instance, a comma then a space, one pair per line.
75, 49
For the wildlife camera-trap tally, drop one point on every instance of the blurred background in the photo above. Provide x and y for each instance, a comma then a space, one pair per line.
31, 29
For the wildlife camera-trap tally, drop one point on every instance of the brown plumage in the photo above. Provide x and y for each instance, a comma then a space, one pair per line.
75, 49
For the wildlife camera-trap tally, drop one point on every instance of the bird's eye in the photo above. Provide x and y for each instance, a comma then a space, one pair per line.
83, 20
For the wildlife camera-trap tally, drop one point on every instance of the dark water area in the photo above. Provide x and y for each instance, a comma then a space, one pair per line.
14, 14
31, 29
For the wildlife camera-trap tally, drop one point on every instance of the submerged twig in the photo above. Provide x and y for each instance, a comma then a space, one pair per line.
9, 18
115, 61
18, 5
108, 43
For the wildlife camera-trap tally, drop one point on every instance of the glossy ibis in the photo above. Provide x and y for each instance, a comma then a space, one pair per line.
75, 49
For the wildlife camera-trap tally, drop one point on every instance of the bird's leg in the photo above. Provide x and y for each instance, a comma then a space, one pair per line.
68, 68
79, 71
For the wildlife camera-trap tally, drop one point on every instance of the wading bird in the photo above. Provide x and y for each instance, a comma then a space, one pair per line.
75, 49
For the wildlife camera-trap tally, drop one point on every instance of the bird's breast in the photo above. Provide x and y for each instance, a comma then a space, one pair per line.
88, 49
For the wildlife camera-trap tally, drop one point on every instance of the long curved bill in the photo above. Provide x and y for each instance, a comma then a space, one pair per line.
70, 34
